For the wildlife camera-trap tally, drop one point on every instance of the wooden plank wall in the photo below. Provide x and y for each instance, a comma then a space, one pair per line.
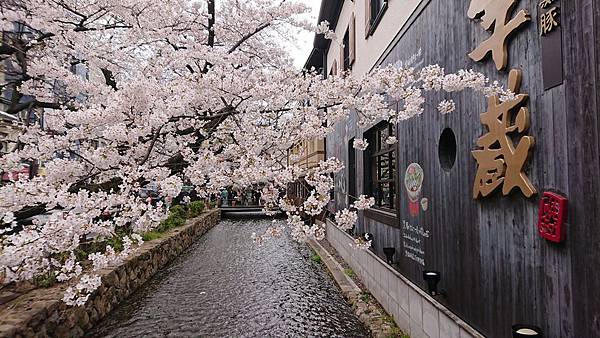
581, 23
495, 267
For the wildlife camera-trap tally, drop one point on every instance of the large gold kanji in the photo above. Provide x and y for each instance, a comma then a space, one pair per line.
545, 3
494, 16
500, 163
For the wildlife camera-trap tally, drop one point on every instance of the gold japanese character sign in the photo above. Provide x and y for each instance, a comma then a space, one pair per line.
500, 163
548, 17
495, 17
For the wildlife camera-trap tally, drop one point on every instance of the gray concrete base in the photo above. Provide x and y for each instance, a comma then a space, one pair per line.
414, 311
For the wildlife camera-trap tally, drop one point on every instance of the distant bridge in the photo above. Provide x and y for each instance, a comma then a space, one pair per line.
241, 208
245, 208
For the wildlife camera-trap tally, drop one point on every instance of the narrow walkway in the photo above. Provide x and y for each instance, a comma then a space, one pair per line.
225, 286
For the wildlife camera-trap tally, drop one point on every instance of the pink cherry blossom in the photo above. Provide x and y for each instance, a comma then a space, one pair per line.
137, 94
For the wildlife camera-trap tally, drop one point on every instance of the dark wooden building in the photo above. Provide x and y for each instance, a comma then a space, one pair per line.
495, 267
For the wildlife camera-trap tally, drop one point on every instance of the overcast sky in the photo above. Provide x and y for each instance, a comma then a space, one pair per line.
301, 48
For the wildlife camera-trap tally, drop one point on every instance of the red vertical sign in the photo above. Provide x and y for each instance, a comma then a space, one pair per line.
552, 216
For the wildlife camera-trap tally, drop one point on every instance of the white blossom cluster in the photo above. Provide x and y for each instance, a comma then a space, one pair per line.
391, 140
346, 219
110, 257
360, 144
69, 270
361, 243
363, 202
80, 293
446, 106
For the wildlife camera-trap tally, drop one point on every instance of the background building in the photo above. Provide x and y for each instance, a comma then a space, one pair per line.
438, 205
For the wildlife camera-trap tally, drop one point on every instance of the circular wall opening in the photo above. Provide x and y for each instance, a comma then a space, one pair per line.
447, 149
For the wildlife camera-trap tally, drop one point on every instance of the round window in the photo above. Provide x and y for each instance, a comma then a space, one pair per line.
447, 149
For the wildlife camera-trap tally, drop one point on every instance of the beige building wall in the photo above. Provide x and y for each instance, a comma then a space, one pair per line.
369, 49
9, 134
307, 153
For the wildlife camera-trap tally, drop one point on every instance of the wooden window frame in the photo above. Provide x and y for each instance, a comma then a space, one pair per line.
348, 50
346, 63
334, 68
372, 21
378, 148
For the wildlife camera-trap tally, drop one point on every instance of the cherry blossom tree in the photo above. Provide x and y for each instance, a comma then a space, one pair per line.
169, 92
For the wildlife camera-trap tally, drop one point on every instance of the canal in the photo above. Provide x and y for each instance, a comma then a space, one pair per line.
226, 286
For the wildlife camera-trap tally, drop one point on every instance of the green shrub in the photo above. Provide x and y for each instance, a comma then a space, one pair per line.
152, 235
171, 222
349, 273
395, 331
61, 256
178, 211
195, 208
315, 257
80, 254
116, 242
46, 280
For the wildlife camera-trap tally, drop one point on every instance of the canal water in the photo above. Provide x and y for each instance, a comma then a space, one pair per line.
226, 286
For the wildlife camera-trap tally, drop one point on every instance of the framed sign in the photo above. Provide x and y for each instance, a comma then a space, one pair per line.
551, 41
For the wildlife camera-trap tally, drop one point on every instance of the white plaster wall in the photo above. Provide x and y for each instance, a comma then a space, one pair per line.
369, 50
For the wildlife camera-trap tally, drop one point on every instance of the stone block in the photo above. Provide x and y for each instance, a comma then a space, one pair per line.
415, 304
416, 330
431, 320
402, 319
42, 332
388, 304
366, 281
377, 291
62, 331
384, 278
448, 327
93, 315
110, 278
464, 334
84, 321
7, 330
393, 289
76, 332
370, 267
403, 295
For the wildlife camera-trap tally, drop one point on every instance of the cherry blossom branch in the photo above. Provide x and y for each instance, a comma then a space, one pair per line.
248, 36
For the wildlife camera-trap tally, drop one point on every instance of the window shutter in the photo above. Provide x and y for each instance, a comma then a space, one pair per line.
334, 70
367, 17
352, 38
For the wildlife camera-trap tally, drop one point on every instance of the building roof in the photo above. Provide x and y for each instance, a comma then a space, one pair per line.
330, 11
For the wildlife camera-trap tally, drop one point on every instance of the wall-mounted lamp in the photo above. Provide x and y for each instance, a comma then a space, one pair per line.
526, 331
389, 254
432, 278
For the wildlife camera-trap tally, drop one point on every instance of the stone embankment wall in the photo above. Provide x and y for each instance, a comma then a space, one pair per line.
42, 313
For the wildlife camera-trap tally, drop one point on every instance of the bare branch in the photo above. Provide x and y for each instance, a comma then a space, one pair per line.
248, 36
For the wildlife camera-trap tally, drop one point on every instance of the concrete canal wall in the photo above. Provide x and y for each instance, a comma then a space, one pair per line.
414, 311
42, 313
